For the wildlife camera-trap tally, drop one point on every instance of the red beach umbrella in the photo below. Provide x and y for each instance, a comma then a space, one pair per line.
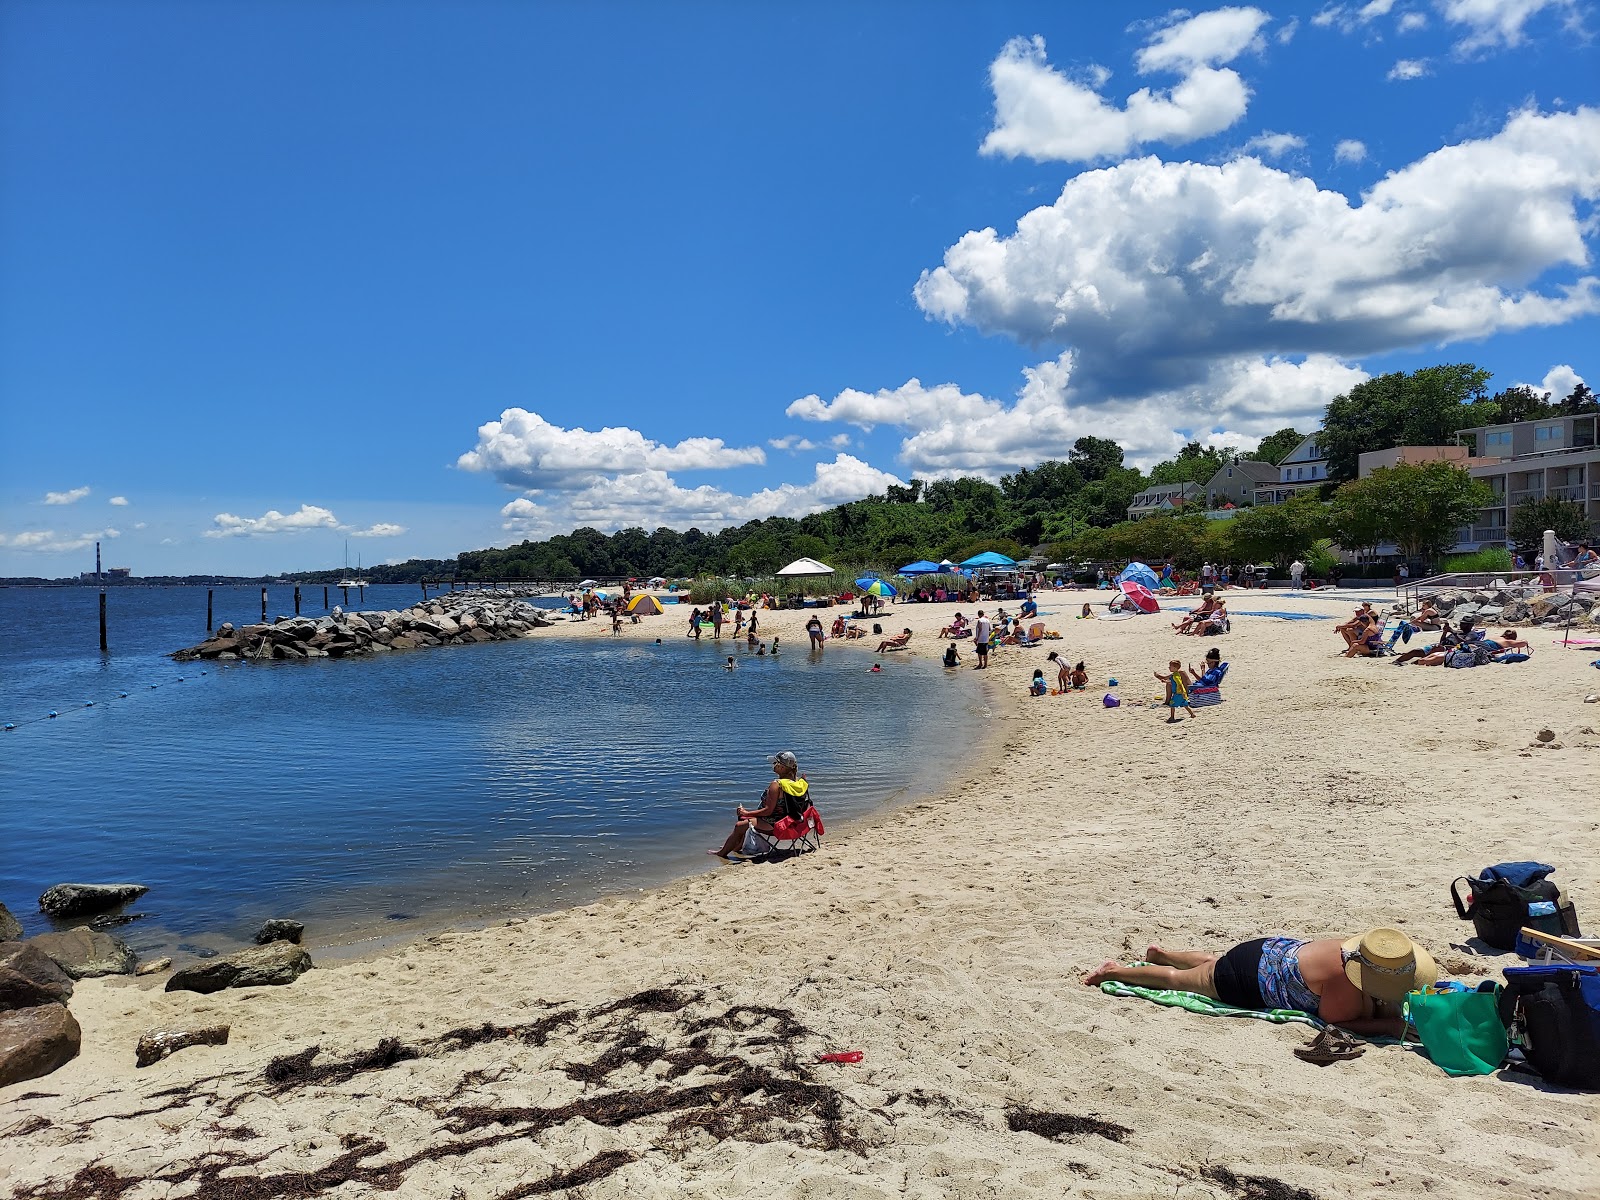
1143, 598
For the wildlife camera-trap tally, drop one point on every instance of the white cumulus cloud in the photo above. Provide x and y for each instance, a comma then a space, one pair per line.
1559, 381
119, 501
47, 541
1153, 270
1042, 113
1350, 151
1411, 22
307, 516
1493, 23
380, 529
1274, 145
1406, 69
651, 498
70, 497
524, 450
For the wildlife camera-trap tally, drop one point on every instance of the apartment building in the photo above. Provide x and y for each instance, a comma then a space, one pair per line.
1533, 460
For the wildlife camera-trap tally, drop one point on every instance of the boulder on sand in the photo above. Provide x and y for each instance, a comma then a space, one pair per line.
271, 965
35, 1041
280, 929
85, 952
10, 927
75, 899
29, 977
160, 1043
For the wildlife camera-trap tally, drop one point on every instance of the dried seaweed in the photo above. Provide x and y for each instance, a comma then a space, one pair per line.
1255, 1187
657, 1000
1053, 1125
597, 1167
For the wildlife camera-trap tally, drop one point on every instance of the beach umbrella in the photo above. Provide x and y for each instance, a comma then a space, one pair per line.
588, 583
1143, 598
804, 568
989, 559
921, 567
1139, 573
877, 587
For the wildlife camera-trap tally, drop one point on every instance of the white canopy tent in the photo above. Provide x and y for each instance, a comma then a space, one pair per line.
804, 568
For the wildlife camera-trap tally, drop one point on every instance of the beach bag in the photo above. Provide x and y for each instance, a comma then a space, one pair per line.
1461, 1030
1499, 908
1474, 654
1553, 1013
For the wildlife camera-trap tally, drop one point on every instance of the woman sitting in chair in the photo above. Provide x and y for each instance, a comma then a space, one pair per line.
838, 628
787, 795
956, 629
897, 642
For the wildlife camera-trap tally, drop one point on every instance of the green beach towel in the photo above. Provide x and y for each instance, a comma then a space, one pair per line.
1207, 1007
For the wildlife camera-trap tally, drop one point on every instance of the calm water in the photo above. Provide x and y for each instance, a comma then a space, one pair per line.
390, 794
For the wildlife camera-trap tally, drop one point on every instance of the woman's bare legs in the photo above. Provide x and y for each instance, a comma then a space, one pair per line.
1187, 979
1179, 958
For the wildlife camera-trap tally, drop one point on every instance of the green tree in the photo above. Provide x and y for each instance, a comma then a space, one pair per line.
1194, 464
1278, 533
1418, 507
1095, 457
1579, 401
1275, 447
1424, 408
1531, 518
1521, 404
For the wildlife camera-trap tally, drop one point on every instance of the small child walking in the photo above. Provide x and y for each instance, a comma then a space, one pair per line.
1177, 681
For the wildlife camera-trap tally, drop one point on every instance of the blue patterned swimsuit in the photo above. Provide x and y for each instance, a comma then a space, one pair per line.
1282, 985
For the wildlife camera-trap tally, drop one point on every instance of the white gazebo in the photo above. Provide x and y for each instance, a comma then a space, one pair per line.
804, 568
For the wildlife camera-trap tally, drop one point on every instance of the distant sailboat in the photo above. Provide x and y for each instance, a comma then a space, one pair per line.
348, 581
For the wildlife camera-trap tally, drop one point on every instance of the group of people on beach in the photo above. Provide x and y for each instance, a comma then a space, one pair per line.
1464, 645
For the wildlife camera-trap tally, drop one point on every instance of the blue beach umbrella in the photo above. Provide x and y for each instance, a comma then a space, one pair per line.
989, 559
1137, 572
921, 567
877, 587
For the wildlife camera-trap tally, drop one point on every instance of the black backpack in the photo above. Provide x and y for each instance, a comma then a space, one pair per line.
1498, 909
1552, 1011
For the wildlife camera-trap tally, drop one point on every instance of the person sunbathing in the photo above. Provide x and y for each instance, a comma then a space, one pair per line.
1427, 617
838, 628
1354, 629
1201, 610
851, 632
784, 796
1508, 642
1357, 983
1212, 623
897, 642
1368, 645
956, 629
1449, 639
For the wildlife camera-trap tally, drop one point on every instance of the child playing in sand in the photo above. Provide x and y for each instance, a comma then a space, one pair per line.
1080, 677
1063, 672
1086, 614
1038, 687
1177, 681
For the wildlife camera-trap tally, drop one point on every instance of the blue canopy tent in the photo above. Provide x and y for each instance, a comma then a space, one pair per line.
921, 567
989, 559
1137, 572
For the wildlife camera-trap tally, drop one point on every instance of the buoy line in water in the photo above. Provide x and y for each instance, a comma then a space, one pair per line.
122, 694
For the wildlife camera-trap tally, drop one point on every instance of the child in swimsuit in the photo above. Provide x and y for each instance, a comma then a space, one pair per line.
1177, 681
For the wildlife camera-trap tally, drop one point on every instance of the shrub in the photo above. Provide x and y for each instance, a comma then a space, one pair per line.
1479, 561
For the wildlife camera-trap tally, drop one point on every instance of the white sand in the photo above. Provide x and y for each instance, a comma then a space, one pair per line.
947, 941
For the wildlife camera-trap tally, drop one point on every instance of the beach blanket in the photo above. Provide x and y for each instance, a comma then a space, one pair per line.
1205, 1006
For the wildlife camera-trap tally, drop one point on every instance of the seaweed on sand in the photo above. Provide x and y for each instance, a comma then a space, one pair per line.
1256, 1187
1053, 1125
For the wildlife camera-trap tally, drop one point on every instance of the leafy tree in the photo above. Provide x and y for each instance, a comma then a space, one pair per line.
1274, 448
1278, 533
1521, 404
1580, 401
1095, 457
1194, 464
1418, 507
1531, 518
1424, 408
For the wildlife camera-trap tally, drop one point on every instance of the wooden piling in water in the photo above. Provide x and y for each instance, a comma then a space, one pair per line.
103, 646
324, 596
297, 599
209, 595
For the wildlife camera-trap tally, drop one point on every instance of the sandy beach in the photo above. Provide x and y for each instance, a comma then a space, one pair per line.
663, 1044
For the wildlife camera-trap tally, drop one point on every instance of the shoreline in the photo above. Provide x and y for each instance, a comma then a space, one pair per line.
946, 939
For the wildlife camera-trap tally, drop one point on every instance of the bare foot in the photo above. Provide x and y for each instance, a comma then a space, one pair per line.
1100, 974
718, 854
1158, 956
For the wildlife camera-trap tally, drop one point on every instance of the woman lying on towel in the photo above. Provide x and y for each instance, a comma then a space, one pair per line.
1358, 983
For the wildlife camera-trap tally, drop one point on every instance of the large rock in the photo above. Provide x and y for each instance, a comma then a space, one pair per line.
260, 966
1515, 612
85, 952
74, 899
161, 1043
10, 927
35, 1041
279, 929
30, 977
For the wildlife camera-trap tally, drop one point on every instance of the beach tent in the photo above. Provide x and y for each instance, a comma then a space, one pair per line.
945, 562
644, 605
804, 568
989, 559
1143, 598
921, 567
1137, 572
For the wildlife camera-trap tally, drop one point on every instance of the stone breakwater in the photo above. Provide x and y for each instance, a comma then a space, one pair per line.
452, 619
1512, 607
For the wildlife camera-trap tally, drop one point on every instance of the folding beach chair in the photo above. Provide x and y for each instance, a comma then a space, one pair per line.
789, 836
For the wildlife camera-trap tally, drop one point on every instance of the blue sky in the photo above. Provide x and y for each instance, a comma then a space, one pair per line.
428, 277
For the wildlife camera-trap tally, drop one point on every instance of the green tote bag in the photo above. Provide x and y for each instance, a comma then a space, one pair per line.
1461, 1031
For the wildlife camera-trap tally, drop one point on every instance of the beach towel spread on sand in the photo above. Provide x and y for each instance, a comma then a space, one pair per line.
1207, 1007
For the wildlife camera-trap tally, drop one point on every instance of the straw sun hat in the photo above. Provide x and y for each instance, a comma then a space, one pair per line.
1386, 964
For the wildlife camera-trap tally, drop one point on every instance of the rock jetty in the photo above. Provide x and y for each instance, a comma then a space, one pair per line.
452, 619
1515, 606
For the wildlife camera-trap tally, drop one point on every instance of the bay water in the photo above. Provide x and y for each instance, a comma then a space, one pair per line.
385, 796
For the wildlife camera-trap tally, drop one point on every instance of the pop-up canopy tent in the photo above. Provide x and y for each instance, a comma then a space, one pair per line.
989, 559
644, 605
921, 567
804, 568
